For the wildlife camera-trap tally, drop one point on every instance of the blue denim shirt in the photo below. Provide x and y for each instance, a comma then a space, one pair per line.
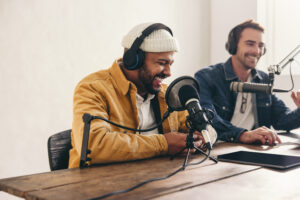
215, 94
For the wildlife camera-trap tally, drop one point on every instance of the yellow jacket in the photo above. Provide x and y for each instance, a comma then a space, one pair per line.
107, 93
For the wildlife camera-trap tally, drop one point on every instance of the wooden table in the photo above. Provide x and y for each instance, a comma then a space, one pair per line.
205, 181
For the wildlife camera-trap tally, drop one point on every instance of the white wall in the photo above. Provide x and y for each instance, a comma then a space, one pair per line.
226, 14
47, 46
281, 37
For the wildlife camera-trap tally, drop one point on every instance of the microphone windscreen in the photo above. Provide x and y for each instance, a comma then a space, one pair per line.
172, 93
236, 86
186, 93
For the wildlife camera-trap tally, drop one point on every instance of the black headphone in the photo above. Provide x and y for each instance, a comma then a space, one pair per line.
231, 44
134, 57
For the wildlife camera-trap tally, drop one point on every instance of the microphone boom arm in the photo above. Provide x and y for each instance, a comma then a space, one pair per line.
277, 69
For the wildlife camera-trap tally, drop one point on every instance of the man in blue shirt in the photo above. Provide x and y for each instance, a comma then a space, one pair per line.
244, 117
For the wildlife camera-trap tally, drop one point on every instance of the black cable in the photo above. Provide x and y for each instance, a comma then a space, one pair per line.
210, 115
150, 180
291, 73
291, 76
292, 80
132, 129
138, 185
201, 161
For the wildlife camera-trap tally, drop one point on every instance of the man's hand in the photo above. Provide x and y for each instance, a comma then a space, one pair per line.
261, 134
296, 97
177, 141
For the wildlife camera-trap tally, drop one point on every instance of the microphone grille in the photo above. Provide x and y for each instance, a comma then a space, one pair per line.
236, 86
186, 93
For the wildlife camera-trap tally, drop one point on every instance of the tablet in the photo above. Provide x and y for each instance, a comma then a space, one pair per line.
261, 159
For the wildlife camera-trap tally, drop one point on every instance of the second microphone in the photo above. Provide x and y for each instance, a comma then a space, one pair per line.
253, 87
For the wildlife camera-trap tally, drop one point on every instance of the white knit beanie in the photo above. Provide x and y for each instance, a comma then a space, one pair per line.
158, 41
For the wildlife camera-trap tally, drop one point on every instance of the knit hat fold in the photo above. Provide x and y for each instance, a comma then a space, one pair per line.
158, 41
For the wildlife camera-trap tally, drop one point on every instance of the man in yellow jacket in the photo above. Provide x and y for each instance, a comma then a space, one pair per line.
131, 93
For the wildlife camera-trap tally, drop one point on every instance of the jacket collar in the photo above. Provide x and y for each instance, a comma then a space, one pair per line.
118, 76
230, 75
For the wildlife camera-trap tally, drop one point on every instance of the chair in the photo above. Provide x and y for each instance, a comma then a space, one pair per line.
59, 145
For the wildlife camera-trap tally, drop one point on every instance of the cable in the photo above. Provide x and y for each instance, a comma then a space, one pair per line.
149, 180
292, 80
201, 161
138, 185
132, 129
210, 115
291, 77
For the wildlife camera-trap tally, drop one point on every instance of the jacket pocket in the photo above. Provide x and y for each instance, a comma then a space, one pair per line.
263, 102
222, 108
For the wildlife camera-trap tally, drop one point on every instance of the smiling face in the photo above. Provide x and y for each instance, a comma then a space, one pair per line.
249, 48
156, 67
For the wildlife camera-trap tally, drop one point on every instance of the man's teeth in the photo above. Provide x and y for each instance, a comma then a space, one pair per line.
252, 57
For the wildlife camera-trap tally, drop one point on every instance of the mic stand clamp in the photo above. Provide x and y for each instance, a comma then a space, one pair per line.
84, 159
271, 75
273, 69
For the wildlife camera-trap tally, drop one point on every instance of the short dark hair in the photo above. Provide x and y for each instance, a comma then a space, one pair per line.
235, 34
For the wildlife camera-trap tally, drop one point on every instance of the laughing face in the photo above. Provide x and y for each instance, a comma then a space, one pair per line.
156, 68
249, 48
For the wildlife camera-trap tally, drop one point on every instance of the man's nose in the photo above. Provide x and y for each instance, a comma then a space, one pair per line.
167, 70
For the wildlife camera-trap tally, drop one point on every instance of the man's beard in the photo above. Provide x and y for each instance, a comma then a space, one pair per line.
147, 79
243, 59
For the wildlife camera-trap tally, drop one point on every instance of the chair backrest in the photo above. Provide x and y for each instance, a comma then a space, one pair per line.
59, 145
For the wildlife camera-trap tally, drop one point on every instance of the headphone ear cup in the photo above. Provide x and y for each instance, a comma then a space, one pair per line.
233, 48
231, 45
141, 58
265, 51
129, 59
133, 60
227, 47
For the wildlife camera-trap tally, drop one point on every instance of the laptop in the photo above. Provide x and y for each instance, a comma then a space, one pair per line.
261, 159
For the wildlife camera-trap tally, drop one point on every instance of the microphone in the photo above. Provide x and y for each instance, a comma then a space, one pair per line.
254, 88
189, 97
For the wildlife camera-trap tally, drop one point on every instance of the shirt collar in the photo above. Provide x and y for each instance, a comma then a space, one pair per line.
142, 100
230, 75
